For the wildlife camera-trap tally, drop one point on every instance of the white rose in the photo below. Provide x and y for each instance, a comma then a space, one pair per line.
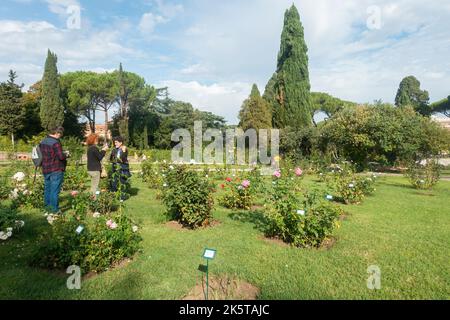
9, 229
96, 215
3, 236
20, 223
19, 176
9, 234
135, 228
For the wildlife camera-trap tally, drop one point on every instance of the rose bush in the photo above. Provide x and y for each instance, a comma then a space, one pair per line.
151, 174
187, 195
94, 243
238, 194
304, 223
423, 177
9, 222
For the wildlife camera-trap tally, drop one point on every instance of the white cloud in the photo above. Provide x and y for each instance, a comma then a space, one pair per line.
196, 69
24, 48
169, 10
149, 21
346, 58
224, 99
60, 6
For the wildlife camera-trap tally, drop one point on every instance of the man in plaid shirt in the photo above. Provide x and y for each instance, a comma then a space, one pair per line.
54, 162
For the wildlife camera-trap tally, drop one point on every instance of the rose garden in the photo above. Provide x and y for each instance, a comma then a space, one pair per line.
355, 205
304, 232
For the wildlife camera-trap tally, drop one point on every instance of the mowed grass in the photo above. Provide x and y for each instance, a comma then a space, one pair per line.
403, 231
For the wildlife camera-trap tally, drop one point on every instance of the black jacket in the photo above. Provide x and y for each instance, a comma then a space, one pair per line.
123, 159
94, 157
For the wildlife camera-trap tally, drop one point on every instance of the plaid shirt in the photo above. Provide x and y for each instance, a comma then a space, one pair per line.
53, 158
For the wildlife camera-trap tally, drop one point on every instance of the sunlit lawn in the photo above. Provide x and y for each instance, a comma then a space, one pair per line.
403, 231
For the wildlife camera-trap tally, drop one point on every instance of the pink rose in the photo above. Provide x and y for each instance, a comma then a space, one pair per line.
74, 193
298, 172
246, 184
277, 174
109, 223
113, 226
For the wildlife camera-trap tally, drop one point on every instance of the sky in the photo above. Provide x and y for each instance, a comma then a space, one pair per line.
210, 52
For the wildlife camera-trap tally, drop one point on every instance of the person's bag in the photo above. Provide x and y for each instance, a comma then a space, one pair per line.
36, 157
103, 172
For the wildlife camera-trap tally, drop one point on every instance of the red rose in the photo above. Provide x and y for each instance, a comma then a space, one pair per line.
222, 186
229, 179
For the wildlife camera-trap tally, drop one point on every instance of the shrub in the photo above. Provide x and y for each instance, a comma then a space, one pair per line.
348, 187
302, 224
94, 244
424, 177
75, 178
5, 188
80, 202
27, 192
238, 194
9, 222
187, 195
105, 202
151, 174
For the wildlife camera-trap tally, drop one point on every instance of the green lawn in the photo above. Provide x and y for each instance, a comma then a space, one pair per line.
404, 231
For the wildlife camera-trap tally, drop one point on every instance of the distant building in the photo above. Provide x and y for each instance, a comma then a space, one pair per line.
444, 122
100, 130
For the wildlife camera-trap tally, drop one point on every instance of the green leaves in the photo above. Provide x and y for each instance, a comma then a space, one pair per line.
410, 94
187, 196
288, 91
52, 109
255, 112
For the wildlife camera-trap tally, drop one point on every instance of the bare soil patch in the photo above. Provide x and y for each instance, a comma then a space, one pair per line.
224, 288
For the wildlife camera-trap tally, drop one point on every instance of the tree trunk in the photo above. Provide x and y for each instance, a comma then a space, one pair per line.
106, 123
12, 141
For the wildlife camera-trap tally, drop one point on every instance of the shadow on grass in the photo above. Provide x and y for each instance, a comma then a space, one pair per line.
134, 191
255, 217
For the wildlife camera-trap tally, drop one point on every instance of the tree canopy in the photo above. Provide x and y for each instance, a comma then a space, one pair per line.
410, 94
255, 112
288, 91
52, 109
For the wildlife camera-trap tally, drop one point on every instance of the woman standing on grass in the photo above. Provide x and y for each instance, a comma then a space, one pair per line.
94, 161
120, 165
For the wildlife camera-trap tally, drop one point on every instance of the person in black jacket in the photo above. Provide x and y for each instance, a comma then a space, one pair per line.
94, 161
120, 166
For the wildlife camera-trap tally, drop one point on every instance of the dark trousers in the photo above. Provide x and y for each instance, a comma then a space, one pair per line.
52, 187
120, 174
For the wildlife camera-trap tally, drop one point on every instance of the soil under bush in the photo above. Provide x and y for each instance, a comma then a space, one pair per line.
224, 288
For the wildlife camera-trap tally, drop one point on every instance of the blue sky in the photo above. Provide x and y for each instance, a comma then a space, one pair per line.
209, 52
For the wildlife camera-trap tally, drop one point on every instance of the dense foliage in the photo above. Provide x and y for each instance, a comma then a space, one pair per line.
306, 223
288, 92
187, 195
383, 134
52, 109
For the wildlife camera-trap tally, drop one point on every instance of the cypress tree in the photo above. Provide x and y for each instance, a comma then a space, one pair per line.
255, 112
52, 109
12, 111
288, 91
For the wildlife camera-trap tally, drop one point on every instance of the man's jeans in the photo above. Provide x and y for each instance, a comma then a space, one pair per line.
52, 188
